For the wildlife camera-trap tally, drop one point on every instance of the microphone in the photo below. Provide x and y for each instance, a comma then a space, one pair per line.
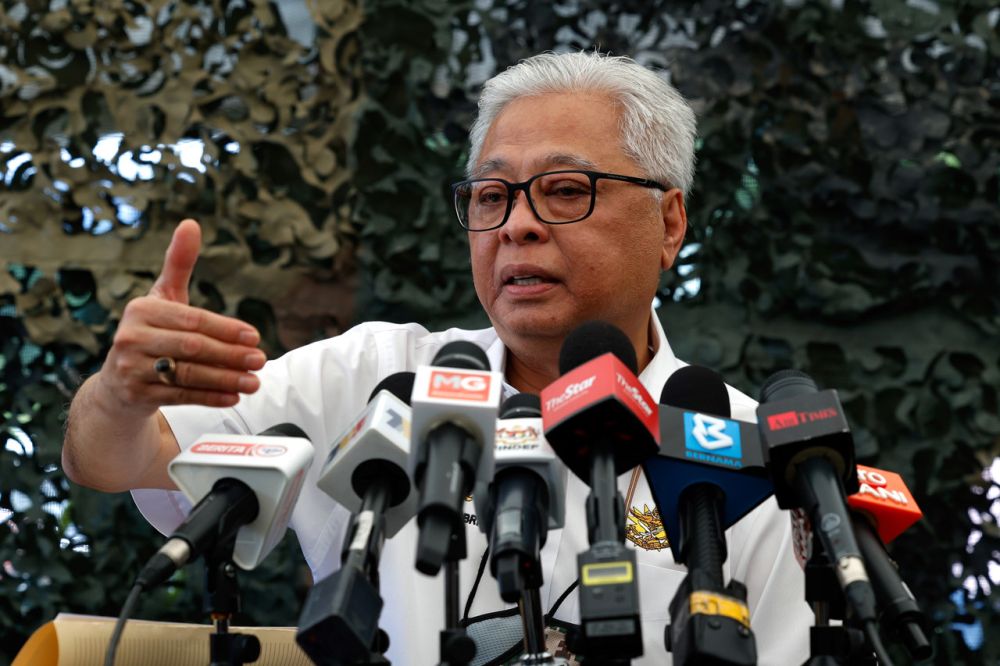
597, 416
704, 467
372, 455
881, 510
601, 422
455, 404
245, 487
520, 497
365, 472
701, 445
809, 453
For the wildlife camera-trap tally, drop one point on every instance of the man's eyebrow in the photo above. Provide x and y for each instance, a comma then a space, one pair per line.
561, 159
489, 166
569, 160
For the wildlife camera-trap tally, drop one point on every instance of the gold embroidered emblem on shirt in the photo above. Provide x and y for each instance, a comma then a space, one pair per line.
645, 529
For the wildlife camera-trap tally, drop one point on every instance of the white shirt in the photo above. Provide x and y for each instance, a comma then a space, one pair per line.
323, 386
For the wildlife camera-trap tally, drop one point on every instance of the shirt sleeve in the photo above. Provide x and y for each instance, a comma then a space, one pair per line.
166, 509
321, 388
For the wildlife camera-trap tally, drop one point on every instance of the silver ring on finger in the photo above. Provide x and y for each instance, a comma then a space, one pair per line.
166, 370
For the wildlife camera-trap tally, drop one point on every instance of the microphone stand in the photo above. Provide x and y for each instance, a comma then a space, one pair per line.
456, 648
610, 631
343, 609
222, 599
438, 524
710, 622
533, 626
831, 645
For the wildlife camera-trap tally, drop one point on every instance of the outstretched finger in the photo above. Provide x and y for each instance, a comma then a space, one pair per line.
195, 320
178, 263
201, 377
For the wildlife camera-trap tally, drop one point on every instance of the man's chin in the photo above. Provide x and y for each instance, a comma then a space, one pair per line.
537, 325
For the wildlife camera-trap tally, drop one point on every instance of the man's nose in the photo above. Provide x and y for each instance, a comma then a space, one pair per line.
523, 226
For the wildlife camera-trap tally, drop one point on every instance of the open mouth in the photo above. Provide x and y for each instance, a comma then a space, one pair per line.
525, 280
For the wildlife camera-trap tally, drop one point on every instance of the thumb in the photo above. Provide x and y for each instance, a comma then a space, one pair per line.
178, 263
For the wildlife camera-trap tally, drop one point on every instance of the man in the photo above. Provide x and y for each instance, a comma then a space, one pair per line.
578, 170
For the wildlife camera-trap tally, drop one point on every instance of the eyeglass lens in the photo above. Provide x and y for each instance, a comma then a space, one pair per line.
562, 197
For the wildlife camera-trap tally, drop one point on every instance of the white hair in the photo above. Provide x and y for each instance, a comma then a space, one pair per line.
658, 126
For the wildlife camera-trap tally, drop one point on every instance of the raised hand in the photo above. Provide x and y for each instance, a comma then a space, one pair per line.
210, 354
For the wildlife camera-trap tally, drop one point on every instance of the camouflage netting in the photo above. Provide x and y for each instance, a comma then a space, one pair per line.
844, 221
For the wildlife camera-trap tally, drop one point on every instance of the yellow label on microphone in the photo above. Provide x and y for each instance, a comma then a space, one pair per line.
709, 603
607, 573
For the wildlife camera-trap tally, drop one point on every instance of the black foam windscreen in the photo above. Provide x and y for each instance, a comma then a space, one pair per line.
521, 406
592, 339
400, 384
696, 389
463, 355
786, 384
284, 430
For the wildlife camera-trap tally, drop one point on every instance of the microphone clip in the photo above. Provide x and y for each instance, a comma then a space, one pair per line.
710, 625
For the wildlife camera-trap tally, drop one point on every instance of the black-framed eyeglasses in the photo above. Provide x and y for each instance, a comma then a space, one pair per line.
555, 197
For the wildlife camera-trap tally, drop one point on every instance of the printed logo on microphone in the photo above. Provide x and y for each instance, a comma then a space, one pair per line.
782, 420
270, 450
517, 438
792, 419
634, 393
713, 440
224, 448
454, 385
348, 436
873, 483
397, 422
570, 392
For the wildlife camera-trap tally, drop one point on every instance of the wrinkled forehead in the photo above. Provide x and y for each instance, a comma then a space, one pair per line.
547, 162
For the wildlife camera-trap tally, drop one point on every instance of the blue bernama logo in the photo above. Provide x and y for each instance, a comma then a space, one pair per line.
712, 439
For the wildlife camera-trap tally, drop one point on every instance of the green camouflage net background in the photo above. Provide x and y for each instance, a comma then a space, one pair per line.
844, 221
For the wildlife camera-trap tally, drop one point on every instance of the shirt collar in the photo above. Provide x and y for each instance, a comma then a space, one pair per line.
663, 363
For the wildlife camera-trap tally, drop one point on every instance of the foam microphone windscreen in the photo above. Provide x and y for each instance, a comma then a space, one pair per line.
400, 384
462, 355
697, 389
521, 406
789, 383
592, 339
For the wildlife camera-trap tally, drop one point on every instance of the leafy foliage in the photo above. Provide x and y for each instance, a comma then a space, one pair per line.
844, 222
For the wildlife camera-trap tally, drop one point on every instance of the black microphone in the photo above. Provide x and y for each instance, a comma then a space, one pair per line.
366, 473
455, 404
701, 446
881, 510
701, 461
601, 422
524, 498
527, 480
809, 453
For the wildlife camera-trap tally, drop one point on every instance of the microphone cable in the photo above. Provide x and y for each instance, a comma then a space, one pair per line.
875, 641
127, 609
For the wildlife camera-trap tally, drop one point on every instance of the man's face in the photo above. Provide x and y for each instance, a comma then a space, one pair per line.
606, 266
